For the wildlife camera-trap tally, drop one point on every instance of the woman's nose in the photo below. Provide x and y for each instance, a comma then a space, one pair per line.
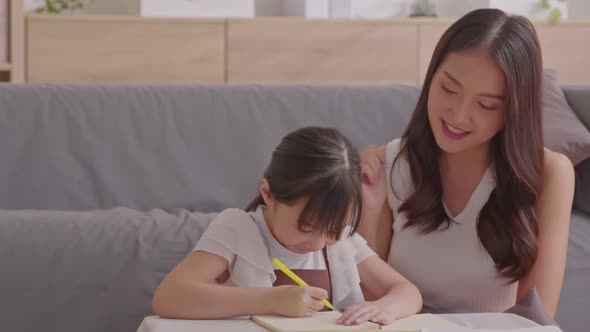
461, 113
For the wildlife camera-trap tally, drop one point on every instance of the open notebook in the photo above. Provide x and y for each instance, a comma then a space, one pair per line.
326, 322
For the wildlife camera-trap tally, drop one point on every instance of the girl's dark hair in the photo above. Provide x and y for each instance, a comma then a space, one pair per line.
322, 165
507, 225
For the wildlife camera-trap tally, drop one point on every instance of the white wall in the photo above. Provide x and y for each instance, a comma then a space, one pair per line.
457, 8
578, 9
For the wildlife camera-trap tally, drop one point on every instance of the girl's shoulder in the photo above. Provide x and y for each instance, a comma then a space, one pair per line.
233, 218
232, 213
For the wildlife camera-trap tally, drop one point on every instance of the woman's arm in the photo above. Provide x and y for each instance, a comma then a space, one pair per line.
187, 293
396, 296
553, 214
376, 228
376, 223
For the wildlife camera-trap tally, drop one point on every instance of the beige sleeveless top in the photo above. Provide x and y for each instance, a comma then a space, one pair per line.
450, 267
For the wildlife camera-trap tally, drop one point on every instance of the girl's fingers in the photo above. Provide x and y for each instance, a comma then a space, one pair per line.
364, 317
347, 313
356, 314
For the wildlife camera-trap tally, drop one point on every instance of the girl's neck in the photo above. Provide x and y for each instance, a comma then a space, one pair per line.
267, 219
269, 223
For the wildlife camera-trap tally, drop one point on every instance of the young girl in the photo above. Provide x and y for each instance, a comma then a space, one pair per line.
469, 189
306, 216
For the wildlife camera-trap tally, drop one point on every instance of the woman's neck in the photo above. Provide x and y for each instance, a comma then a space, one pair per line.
470, 163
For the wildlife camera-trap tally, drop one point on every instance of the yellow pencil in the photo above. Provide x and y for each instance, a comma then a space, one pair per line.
298, 280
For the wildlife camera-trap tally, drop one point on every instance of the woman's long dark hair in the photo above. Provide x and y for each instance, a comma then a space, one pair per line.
322, 165
507, 225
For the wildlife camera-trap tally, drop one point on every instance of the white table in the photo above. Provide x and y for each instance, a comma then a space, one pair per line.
243, 324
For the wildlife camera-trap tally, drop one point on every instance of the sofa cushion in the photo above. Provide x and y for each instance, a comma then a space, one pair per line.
578, 97
88, 271
582, 195
563, 130
531, 307
572, 311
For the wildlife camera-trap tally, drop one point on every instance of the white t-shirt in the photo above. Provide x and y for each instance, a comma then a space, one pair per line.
312, 261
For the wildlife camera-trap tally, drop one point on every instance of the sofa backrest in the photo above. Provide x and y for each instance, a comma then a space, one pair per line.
203, 148
68, 147
142, 147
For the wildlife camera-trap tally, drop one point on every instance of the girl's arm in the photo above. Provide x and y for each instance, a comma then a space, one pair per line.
396, 296
187, 293
553, 215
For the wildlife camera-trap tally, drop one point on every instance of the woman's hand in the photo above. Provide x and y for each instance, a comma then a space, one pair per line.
374, 178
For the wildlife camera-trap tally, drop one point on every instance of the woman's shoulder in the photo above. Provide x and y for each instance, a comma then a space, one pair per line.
393, 158
555, 163
557, 176
397, 169
556, 190
392, 149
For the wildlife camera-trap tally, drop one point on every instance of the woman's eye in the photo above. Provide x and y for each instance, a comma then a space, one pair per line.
488, 108
450, 92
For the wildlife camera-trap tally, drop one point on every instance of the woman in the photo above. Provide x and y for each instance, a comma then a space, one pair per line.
470, 206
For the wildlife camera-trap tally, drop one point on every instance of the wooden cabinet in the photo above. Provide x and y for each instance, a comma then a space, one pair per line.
87, 49
321, 51
566, 48
79, 49
428, 36
12, 69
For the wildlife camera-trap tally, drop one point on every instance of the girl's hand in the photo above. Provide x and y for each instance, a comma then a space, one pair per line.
297, 301
368, 311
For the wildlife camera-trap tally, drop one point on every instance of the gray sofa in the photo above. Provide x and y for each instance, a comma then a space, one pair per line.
103, 189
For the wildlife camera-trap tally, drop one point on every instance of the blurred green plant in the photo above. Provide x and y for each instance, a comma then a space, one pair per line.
61, 6
423, 8
555, 13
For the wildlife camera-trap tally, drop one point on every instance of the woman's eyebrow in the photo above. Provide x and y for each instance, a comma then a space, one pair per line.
456, 81
452, 78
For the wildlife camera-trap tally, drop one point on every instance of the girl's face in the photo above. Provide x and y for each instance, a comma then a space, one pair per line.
466, 101
282, 222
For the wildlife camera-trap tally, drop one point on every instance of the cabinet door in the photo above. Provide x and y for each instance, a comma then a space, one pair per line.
322, 51
566, 48
429, 35
124, 50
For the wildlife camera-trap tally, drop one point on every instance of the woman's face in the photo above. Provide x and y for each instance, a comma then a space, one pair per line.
466, 101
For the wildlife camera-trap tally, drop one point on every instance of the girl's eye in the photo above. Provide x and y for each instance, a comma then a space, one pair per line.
304, 229
450, 92
488, 108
